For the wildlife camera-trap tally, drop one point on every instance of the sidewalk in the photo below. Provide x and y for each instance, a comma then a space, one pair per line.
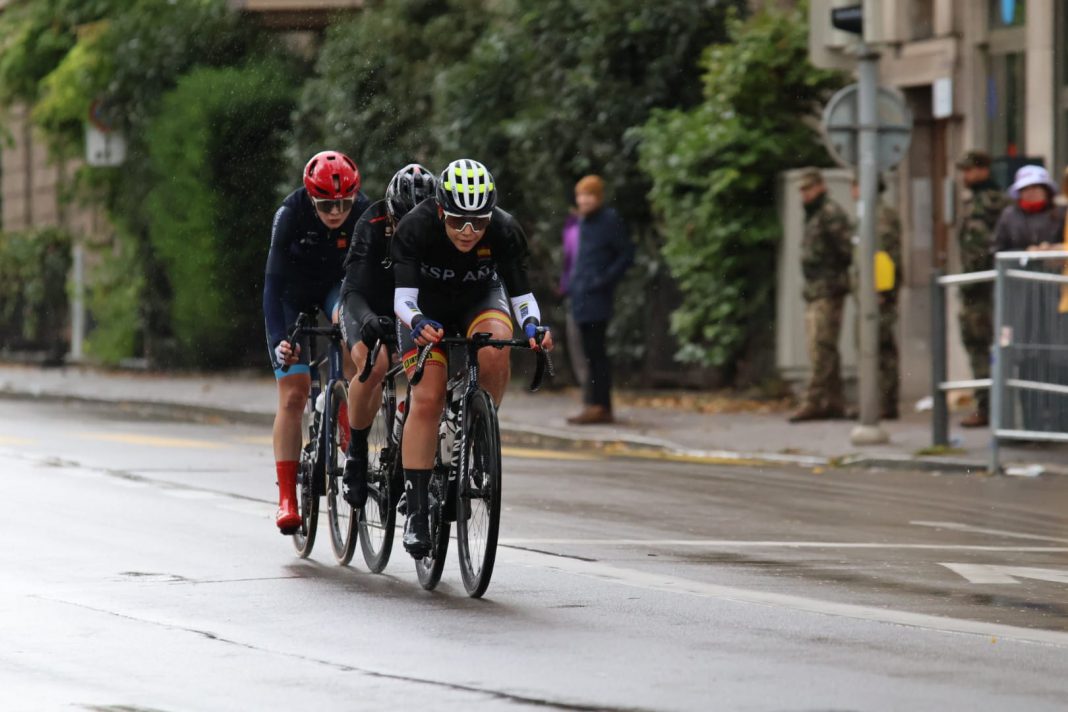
665, 427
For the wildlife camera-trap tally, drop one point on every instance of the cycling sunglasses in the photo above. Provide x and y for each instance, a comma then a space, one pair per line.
458, 223
327, 206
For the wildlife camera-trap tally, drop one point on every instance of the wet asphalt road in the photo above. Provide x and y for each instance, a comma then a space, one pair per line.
142, 572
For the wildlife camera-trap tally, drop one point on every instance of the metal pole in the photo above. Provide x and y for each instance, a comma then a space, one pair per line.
940, 412
77, 301
868, 431
997, 373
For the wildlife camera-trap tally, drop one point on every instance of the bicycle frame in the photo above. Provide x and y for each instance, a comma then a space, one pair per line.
469, 380
335, 372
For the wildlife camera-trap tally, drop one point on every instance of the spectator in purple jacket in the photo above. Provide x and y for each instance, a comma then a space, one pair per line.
570, 238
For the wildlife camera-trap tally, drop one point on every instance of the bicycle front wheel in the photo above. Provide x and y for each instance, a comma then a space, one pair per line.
379, 514
342, 517
478, 494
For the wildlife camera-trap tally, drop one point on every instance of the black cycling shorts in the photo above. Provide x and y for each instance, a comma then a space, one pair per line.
464, 319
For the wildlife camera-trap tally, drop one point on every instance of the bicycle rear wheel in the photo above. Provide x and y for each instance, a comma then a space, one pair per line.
429, 568
478, 495
379, 514
307, 492
340, 514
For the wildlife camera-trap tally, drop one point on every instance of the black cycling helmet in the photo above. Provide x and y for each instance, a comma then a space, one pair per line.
466, 188
407, 188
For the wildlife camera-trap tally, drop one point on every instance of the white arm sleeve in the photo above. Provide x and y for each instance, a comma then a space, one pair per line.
525, 307
406, 304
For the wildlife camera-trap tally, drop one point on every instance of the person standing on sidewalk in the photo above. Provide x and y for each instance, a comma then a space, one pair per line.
569, 237
605, 252
888, 247
982, 207
826, 254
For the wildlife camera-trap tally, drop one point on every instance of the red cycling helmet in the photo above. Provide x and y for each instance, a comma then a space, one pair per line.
331, 175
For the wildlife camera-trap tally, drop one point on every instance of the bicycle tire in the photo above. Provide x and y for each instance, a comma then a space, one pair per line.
339, 513
378, 516
307, 496
429, 568
478, 494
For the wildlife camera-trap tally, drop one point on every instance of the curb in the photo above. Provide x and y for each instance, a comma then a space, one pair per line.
514, 434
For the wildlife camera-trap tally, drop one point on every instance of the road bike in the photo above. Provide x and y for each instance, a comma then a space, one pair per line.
465, 483
325, 436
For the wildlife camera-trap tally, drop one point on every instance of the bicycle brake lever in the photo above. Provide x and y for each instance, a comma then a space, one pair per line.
417, 375
294, 335
369, 362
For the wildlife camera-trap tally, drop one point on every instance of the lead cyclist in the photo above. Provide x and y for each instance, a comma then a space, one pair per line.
454, 257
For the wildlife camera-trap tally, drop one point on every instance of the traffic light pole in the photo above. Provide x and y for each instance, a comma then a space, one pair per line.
868, 432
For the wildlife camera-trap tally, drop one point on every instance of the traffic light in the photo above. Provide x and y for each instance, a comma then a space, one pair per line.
848, 19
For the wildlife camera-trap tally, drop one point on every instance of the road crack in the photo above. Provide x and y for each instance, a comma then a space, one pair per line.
345, 667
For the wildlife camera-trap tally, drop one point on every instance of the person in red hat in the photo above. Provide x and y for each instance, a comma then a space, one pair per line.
309, 241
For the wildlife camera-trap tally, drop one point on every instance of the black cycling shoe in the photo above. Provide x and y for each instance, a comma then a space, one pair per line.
417, 536
354, 481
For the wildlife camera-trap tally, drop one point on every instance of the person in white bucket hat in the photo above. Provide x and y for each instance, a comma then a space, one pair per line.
1028, 176
1033, 219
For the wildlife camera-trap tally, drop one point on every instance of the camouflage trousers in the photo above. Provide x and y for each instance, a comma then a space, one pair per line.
977, 334
823, 326
889, 379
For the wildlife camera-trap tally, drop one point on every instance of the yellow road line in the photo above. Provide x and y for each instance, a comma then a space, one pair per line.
533, 454
13, 440
154, 440
256, 440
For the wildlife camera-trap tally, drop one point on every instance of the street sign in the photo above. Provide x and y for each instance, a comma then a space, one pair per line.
103, 148
841, 128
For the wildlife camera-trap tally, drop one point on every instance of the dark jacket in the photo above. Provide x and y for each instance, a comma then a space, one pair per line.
1017, 230
305, 260
604, 254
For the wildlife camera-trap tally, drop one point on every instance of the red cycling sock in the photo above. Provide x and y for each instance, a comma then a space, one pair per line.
286, 470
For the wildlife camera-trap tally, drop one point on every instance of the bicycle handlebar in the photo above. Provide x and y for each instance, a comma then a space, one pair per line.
300, 328
543, 362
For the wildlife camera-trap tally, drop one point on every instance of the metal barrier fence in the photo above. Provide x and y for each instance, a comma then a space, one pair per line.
1029, 355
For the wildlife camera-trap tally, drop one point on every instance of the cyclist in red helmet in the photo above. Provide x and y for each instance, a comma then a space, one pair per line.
309, 240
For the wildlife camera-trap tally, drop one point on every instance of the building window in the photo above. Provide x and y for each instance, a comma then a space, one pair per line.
1005, 104
1007, 13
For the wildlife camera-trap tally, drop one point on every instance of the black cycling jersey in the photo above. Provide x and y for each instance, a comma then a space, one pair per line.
305, 260
424, 258
367, 289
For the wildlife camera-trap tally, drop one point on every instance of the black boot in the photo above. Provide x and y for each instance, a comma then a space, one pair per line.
416, 527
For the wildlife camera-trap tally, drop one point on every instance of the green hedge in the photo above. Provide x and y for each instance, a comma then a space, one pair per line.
216, 158
33, 289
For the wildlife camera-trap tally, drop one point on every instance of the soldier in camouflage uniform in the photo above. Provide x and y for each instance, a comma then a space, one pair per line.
888, 240
826, 253
980, 214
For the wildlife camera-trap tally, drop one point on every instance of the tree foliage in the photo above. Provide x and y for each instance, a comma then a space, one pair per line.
713, 171
542, 91
128, 56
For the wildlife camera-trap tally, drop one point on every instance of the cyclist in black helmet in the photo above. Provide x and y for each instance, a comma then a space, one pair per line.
367, 307
453, 259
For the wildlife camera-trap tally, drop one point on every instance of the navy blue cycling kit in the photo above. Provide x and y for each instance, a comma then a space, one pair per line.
304, 268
